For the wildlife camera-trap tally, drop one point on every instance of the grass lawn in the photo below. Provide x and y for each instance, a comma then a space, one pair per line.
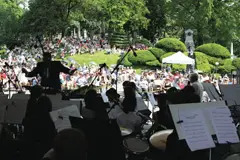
98, 57
101, 57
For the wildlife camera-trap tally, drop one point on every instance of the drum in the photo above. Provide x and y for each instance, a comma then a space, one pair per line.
159, 139
135, 147
125, 131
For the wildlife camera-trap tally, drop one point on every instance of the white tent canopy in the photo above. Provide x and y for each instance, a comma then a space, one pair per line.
178, 58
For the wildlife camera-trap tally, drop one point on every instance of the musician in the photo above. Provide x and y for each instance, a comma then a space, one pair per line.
49, 72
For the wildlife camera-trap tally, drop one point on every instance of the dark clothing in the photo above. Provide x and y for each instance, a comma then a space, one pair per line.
38, 136
49, 72
104, 138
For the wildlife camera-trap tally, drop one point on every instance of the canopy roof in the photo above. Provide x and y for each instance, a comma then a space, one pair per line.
178, 58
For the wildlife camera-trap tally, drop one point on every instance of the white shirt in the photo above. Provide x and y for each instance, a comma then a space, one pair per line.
129, 120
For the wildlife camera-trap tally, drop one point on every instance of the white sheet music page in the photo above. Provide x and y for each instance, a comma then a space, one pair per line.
223, 125
61, 117
195, 130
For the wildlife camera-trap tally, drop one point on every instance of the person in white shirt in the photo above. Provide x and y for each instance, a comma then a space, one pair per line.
129, 118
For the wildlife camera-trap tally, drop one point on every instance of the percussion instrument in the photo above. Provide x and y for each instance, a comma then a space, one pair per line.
235, 156
125, 131
159, 139
135, 147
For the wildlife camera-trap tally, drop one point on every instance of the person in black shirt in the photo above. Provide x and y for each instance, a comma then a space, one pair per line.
49, 72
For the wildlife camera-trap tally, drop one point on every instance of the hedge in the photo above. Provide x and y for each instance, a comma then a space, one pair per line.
202, 63
142, 57
126, 61
213, 60
214, 50
154, 63
157, 52
236, 63
171, 45
227, 67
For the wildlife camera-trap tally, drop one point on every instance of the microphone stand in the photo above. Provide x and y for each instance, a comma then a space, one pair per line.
116, 68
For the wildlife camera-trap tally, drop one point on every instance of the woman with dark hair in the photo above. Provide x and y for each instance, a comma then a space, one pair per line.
39, 129
129, 118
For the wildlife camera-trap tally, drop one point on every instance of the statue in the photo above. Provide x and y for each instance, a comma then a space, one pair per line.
189, 41
190, 47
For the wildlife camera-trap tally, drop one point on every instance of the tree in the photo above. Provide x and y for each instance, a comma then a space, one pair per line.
157, 20
10, 16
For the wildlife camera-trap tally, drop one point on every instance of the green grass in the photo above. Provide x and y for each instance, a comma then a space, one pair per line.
101, 57
98, 58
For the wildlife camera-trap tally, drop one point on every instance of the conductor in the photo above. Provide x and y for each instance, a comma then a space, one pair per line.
49, 72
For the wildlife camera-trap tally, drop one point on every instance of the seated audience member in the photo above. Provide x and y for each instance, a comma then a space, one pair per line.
114, 101
39, 129
69, 144
129, 118
178, 149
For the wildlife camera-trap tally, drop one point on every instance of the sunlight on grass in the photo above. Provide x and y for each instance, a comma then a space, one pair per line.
98, 57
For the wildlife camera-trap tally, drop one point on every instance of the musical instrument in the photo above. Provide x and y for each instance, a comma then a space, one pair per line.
125, 131
159, 139
135, 147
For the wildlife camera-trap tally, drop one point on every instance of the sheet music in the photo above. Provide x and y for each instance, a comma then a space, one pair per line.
61, 117
195, 129
152, 99
223, 125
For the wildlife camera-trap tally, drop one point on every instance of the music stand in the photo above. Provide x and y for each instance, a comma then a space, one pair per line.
9, 82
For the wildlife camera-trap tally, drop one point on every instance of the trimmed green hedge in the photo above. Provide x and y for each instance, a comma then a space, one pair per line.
236, 63
202, 63
155, 63
171, 45
227, 67
214, 50
157, 52
143, 56
126, 62
213, 60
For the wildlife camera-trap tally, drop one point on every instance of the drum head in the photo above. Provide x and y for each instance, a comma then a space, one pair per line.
125, 131
135, 145
159, 139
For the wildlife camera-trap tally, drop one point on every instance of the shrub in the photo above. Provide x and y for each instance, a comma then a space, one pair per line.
236, 63
214, 50
166, 55
157, 52
171, 45
126, 62
144, 41
213, 60
202, 63
227, 67
154, 63
143, 56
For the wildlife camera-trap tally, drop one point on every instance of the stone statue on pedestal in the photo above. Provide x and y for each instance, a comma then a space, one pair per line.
190, 46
